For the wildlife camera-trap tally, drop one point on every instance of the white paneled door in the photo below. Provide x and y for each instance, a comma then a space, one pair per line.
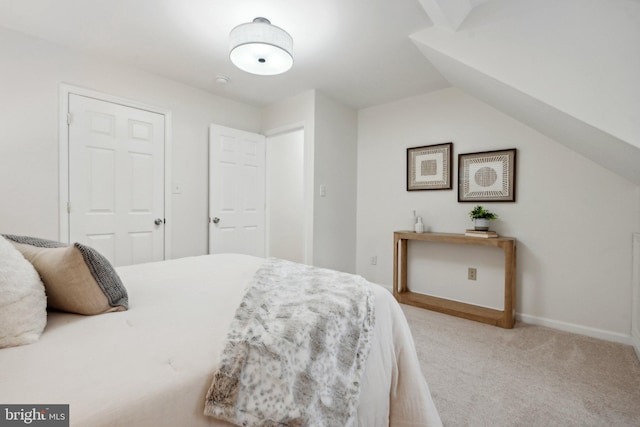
236, 191
116, 180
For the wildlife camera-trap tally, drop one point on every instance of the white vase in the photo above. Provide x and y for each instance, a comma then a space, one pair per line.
419, 226
481, 224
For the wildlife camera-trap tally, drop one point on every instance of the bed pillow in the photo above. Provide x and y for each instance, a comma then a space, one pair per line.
77, 278
23, 304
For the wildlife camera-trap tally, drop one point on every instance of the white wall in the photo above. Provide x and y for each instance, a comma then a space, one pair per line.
573, 219
31, 71
335, 169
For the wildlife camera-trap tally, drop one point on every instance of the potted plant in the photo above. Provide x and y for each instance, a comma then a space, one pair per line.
481, 218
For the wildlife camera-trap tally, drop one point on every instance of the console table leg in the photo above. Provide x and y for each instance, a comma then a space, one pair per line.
403, 266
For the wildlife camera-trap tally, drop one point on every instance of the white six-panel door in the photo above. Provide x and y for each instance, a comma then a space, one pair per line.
116, 180
236, 191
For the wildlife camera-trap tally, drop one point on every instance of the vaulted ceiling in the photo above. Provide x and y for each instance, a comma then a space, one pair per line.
568, 68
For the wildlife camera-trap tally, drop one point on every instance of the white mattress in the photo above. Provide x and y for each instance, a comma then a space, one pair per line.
152, 365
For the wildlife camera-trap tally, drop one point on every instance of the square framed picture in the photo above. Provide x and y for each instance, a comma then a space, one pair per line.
489, 176
429, 167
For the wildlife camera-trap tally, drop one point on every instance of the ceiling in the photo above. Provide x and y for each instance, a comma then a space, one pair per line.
356, 51
567, 68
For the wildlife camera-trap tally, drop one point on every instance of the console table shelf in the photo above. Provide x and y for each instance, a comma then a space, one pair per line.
504, 318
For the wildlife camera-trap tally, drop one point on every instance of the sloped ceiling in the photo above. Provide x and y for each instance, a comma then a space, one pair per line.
568, 68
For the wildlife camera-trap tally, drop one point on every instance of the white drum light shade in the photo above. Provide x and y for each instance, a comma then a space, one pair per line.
261, 48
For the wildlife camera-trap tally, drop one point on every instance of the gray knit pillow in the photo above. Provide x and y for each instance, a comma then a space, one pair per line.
77, 278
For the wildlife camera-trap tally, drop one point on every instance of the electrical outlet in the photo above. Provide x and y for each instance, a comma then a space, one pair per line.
374, 260
472, 273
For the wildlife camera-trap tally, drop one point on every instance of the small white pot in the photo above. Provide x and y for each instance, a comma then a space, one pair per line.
481, 224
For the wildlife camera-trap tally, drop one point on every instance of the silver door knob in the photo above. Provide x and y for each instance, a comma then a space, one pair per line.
157, 221
215, 220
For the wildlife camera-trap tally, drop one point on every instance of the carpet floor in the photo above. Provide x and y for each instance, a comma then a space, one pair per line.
481, 375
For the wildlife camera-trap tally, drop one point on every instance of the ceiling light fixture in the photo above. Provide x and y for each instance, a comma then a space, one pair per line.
261, 48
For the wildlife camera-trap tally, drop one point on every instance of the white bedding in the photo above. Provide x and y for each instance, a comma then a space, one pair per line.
152, 365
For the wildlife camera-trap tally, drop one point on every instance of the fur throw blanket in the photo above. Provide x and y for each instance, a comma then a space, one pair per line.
23, 303
296, 349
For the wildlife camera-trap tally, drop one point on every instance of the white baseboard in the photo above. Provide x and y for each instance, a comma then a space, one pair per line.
580, 330
577, 329
635, 339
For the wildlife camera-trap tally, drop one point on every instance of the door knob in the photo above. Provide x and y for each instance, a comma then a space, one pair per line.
158, 221
215, 220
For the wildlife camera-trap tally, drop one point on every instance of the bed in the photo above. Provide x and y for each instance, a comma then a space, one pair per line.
152, 364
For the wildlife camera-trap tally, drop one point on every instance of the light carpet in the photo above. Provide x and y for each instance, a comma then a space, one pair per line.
482, 375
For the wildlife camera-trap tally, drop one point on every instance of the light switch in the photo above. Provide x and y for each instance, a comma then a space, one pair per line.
323, 190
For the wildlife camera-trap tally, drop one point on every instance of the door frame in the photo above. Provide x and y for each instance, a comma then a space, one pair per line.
307, 186
65, 90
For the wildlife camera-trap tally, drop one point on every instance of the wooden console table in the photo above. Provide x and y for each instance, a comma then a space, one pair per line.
401, 292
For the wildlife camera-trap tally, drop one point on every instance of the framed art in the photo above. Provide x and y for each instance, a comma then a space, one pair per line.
429, 167
489, 176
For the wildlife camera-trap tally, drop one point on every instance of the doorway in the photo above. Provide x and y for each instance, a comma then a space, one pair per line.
259, 199
286, 220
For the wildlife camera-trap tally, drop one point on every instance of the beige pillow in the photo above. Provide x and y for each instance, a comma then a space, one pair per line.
77, 279
23, 304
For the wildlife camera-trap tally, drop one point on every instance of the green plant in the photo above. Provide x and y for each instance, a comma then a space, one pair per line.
481, 213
